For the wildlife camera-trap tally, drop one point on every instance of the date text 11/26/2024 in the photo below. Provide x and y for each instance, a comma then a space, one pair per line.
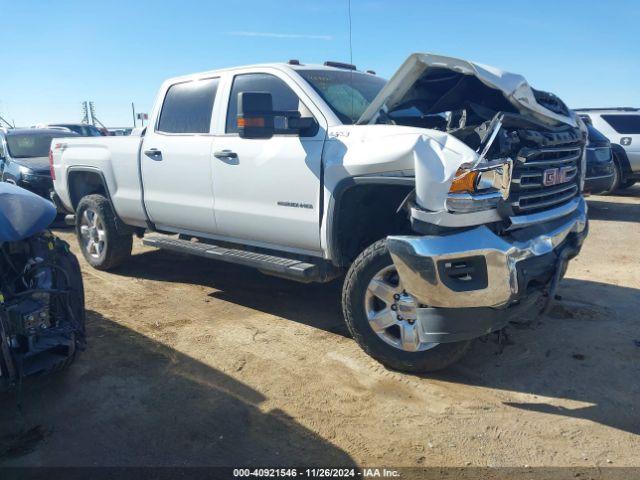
315, 473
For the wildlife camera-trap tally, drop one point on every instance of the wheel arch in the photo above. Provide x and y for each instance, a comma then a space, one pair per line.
620, 157
83, 181
363, 210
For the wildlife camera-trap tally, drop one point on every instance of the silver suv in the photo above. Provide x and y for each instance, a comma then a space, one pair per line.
622, 127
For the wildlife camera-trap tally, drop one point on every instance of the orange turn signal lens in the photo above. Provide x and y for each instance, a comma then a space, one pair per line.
464, 181
251, 122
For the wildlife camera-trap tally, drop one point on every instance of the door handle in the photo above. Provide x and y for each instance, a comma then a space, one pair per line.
222, 154
153, 154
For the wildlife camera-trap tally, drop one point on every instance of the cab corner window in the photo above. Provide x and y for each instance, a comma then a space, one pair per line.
284, 100
188, 107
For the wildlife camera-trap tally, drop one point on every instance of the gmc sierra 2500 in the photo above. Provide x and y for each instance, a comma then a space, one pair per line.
450, 195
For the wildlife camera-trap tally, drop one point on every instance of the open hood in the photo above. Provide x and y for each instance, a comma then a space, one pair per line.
437, 84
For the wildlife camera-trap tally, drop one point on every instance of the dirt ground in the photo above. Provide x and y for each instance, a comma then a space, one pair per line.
192, 362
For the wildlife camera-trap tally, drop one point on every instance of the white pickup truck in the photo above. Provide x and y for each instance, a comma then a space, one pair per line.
450, 195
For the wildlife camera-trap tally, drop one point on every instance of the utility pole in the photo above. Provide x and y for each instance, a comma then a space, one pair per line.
133, 111
6, 122
85, 113
89, 114
2, 120
94, 119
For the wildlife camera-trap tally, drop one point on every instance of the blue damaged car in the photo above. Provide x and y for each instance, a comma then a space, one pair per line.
42, 313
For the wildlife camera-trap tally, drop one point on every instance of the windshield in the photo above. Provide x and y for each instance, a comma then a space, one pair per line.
29, 145
347, 93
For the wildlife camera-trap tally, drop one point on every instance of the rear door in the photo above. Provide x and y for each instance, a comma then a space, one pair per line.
268, 191
176, 159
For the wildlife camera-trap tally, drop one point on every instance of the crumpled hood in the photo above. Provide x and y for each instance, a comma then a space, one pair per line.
514, 87
432, 156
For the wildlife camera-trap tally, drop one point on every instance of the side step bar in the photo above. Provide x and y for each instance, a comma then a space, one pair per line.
280, 266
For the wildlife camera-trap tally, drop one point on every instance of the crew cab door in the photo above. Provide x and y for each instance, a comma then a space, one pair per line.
176, 158
267, 191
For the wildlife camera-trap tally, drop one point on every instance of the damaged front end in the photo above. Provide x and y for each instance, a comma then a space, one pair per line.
497, 224
42, 312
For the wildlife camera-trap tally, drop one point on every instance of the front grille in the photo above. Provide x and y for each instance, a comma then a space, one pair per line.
561, 164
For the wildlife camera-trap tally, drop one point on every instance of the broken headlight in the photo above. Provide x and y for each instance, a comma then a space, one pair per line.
480, 188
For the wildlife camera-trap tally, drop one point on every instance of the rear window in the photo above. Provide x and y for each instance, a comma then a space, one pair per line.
188, 106
628, 124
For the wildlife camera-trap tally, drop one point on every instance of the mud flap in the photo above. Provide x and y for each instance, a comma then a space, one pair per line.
561, 268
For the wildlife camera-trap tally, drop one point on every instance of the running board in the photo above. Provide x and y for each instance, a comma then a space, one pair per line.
271, 264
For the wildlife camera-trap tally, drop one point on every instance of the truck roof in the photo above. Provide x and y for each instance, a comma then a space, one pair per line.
278, 65
608, 109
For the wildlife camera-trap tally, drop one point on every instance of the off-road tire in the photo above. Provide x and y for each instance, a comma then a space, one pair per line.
118, 245
366, 265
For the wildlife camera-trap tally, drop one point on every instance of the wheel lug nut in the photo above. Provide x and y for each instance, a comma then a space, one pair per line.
399, 317
394, 307
396, 297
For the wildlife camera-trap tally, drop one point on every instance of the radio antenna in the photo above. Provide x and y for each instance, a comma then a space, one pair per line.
350, 44
350, 59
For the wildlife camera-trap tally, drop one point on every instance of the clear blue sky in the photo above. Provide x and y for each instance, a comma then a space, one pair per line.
55, 54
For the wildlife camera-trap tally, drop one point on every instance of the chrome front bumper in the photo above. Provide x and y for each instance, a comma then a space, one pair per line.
477, 268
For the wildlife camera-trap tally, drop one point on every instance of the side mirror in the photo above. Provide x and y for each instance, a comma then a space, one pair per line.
255, 115
305, 126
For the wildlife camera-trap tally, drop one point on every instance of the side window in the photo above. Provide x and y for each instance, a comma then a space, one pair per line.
188, 107
284, 99
624, 124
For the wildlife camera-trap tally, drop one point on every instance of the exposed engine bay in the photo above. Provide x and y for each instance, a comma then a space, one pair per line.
463, 106
41, 308
520, 150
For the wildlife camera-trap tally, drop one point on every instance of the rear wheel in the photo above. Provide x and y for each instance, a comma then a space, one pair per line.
381, 316
104, 247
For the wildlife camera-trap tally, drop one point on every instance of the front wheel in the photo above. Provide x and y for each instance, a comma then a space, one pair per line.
617, 177
381, 316
104, 247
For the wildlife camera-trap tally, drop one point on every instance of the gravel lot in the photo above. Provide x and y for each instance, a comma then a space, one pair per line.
192, 362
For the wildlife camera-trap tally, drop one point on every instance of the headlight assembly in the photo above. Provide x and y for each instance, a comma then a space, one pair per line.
480, 188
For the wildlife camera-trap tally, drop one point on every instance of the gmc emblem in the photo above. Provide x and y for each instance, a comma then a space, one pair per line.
555, 176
